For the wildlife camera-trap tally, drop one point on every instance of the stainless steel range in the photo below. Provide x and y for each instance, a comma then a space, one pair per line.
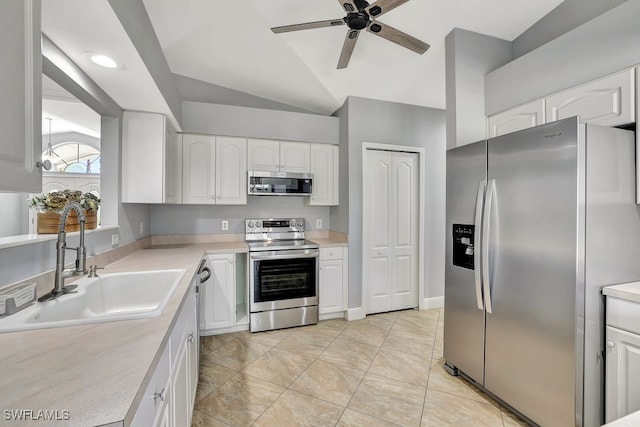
283, 274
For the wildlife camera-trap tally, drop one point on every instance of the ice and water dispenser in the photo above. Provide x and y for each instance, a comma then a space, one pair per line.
463, 245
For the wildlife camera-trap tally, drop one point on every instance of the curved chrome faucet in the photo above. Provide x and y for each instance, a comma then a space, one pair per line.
61, 245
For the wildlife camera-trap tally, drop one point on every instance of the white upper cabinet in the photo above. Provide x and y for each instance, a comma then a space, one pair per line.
198, 173
521, 117
151, 159
324, 167
609, 101
21, 99
275, 156
214, 170
295, 157
231, 171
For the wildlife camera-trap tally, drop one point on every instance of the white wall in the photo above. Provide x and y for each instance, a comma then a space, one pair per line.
13, 215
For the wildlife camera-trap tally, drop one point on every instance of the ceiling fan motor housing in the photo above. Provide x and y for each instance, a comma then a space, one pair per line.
357, 20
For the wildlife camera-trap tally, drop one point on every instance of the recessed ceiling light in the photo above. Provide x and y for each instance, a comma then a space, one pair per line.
103, 60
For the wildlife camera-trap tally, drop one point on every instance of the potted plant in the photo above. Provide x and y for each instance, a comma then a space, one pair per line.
50, 205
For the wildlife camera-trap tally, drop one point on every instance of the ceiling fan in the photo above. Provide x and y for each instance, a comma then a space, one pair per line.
361, 15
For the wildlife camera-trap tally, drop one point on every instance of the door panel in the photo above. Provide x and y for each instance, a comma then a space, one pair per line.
464, 331
530, 334
391, 225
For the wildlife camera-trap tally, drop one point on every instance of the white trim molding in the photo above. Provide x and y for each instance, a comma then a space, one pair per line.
356, 313
436, 302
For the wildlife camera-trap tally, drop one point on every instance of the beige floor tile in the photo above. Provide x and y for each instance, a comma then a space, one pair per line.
350, 353
279, 366
300, 344
239, 401
203, 420
416, 325
331, 326
212, 376
431, 314
211, 342
330, 382
236, 354
351, 418
402, 366
410, 343
511, 420
364, 334
269, 338
390, 400
296, 409
382, 321
440, 380
442, 409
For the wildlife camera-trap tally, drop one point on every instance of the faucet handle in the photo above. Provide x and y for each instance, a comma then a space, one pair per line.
92, 270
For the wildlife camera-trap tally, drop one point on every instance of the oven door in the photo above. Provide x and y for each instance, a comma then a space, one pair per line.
283, 279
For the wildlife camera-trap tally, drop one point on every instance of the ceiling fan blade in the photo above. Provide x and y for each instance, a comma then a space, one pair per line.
383, 6
347, 48
308, 26
398, 37
348, 5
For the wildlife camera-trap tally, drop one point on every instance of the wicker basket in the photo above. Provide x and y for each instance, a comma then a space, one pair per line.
49, 222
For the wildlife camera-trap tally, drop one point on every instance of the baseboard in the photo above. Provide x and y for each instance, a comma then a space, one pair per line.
356, 313
428, 303
336, 315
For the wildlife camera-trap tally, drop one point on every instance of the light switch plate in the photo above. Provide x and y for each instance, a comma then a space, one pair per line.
225, 225
318, 223
115, 239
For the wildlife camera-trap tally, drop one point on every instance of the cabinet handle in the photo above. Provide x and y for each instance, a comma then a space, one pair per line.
190, 337
46, 165
611, 344
230, 261
160, 395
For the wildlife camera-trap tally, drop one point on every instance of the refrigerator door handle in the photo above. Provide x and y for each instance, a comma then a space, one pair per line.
476, 244
486, 221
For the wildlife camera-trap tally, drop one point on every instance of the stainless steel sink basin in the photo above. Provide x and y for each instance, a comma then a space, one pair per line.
110, 297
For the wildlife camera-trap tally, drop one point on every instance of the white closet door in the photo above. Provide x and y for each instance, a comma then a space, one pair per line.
391, 226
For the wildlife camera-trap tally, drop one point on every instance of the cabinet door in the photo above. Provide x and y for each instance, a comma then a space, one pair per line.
198, 163
180, 399
163, 416
263, 155
322, 168
330, 292
622, 392
172, 166
193, 364
219, 292
21, 100
295, 157
231, 171
521, 117
608, 101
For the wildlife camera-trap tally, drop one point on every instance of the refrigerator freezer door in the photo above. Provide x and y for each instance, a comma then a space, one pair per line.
463, 311
531, 333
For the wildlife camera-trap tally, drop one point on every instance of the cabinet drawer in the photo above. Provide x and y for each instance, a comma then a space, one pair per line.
331, 253
155, 393
623, 314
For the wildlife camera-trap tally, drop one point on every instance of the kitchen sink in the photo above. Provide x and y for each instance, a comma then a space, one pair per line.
107, 298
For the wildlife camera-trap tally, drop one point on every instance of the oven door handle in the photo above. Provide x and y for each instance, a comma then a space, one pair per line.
289, 256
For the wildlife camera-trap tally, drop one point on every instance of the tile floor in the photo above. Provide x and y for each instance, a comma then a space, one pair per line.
384, 370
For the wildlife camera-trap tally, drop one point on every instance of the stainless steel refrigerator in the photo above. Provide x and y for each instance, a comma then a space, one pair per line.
537, 222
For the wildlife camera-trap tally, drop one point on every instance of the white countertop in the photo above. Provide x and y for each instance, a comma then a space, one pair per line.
96, 371
626, 291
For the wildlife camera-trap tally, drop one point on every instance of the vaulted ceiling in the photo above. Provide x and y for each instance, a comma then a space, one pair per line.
229, 43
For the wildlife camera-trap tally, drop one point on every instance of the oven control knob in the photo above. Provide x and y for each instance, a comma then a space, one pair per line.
250, 224
300, 222
259, 224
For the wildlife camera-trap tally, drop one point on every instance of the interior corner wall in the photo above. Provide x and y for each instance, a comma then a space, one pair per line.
398, 124
604, 45
469, 57
340, 214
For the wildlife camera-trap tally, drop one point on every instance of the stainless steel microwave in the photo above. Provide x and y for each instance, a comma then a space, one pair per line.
279, 183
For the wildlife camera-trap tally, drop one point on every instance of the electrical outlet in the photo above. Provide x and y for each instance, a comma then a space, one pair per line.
115, 239
141, 228
225, 225
318, 223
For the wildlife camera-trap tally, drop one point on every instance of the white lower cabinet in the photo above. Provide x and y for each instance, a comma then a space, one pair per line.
169, 398
224, 297
333, 280
622, 373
